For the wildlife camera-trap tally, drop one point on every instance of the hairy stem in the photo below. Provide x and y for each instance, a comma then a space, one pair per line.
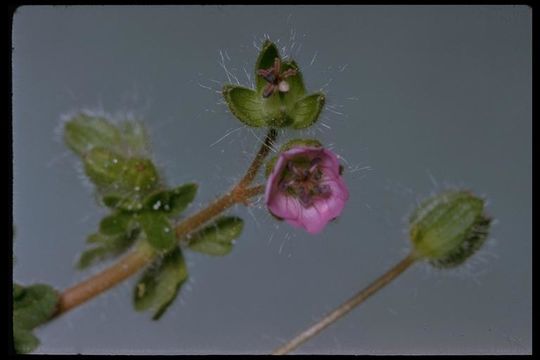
347, 306
266, 147
143, 255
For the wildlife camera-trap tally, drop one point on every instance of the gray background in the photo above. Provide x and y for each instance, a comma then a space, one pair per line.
420, 99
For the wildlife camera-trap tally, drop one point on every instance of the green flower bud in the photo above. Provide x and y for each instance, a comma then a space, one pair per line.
84, 132
103, 166
140, 175
448, 228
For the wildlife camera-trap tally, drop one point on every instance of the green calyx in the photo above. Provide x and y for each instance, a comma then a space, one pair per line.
449, 228
279, 98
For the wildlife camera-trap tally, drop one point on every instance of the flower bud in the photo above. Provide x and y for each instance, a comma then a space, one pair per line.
140, 175
84, 132
448, 228
111, 171
103, 166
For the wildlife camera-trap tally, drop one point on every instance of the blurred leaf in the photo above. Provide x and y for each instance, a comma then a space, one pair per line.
115, 224
245, 104
84, 132
217, 238
129, 202
91, 256
18, 291
32, 306
171, 202
106, 247
306, 111
158, 230
111, 199
24, 340
159, 285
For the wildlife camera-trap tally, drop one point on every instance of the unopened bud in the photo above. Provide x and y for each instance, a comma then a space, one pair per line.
448, 228
84, 132
103, 166
140, 175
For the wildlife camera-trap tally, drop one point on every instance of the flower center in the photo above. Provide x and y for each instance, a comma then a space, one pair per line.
302, 179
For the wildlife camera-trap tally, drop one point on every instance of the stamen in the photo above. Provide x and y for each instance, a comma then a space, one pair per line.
322, 190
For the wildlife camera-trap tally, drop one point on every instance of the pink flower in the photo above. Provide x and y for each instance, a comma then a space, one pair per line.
305, 188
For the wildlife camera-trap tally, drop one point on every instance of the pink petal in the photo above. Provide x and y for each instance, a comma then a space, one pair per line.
287, 207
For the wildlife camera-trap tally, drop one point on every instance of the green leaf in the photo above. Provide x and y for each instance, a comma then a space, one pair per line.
84, 132
158, 230
24, 340
106, 247
217, 239
112, 200
159, 285
32, 306
245, 104
171, 202
306, 111
91, 256
129, 202
115, 224
265, 60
